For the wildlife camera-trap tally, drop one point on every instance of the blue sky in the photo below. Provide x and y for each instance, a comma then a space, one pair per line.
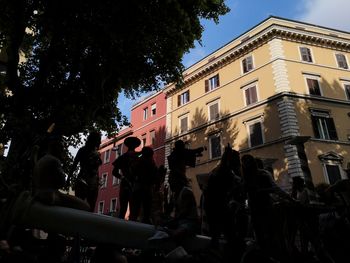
245, 14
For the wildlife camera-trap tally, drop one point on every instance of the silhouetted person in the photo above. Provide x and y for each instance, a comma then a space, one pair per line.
158, 197
48, 172
225, 202
88, 158
146, 172
124, 168
186, 221
181, 157
260, 185
49, 177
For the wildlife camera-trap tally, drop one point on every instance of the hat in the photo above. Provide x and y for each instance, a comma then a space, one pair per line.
132, 142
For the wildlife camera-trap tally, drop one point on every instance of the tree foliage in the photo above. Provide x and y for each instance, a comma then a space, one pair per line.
79, 55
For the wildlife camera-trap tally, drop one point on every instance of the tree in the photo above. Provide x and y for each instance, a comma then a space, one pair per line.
79, 55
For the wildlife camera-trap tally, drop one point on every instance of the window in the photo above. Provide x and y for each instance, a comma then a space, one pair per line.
115, 181
143, 140
152, 135
113, 205
118, 150
107, 156
145, 113
313, 86
100, 208
212, 83
255, 133
323, 125
305, 54
332, 166
333, 173
347, 90
251, 95
247, 64
153, 109
341, 60
183, 98
183, 124
104, 180
213, 111
214, 146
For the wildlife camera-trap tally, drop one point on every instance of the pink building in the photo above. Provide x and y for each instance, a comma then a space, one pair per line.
148, 124
110, 149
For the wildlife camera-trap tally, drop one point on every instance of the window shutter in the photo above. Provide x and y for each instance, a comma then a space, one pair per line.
206, 85
254, 97
178, 100
314, 87
217, 80
244, 65
309, 58
331, 129
247, 97
314, 125
188, 95
255, 131
333, 173
347, 90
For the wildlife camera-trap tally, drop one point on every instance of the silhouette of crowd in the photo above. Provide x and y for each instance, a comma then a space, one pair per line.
248, 217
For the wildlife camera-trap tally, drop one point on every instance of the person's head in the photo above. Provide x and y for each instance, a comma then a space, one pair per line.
298, 183
325, 196
132, 143
147, 152
259, 163
55, 146
179, 145
249, 165
230, 158
94, 139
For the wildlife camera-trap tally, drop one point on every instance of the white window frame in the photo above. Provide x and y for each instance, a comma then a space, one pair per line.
104, 179
180, 119
152, 139
116, 205
103, 207
242, 68
333, 163
144, 140
211, 80
115, 181
145, 113
311, 52
154, 108
107, 156
257, 93
211, 104
346, 83
336, 60
322, 126
315, 77
184, 97
210, 145
252, 122
116, 150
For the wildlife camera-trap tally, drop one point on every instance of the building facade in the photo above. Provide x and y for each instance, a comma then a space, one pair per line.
108, 195
148, 124
278, 80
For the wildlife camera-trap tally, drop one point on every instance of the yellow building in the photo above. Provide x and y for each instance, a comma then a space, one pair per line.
280, 79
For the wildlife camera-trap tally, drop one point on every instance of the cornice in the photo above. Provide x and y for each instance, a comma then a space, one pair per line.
284, 32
